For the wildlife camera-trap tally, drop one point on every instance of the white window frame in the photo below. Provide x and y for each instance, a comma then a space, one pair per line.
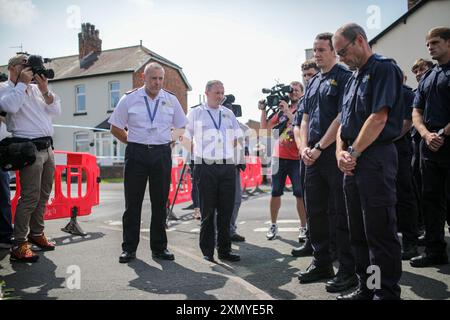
76, 140
111, 91
77, 95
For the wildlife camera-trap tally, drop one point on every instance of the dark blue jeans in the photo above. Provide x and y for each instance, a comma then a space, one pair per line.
6, 229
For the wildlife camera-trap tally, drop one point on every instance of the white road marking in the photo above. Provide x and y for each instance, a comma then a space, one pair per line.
283, 221
279, 230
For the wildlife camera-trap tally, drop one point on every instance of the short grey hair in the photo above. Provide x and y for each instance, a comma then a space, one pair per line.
212, 83
153, 66
298, 83
351, 31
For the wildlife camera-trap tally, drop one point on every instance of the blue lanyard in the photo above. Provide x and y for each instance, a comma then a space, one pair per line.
214, 121
152, 117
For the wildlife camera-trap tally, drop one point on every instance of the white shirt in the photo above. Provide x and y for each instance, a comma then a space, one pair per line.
28, 114
213, 139
3, 132
132, 113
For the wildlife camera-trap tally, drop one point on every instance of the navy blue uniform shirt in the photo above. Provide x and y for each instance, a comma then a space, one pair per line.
408, 98
299, 114
376, 85
323, 100
433, 97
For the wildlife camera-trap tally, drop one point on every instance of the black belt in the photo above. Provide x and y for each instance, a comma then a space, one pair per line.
214, 161
150, 146
43, 143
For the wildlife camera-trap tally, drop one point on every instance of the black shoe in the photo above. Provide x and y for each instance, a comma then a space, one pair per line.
165, 255
209, 258
409, 252
421, 241
316, 273
358, 294
229, 256
429, 260
341, 283
237, 238
304, 251
126, 257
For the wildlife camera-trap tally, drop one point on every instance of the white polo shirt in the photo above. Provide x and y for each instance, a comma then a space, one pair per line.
214, 132
28, 114
132, 113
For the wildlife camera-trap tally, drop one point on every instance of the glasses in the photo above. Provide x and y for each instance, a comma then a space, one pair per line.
343, 52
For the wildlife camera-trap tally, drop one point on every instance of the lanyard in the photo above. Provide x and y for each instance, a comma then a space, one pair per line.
152, 117
214, 121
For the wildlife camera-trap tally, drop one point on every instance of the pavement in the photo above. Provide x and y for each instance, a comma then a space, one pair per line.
84, 268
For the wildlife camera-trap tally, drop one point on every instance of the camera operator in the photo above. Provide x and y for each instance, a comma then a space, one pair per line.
285, 158
30, 108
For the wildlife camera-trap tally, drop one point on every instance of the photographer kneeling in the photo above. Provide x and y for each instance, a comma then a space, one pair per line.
30, 108
285, 158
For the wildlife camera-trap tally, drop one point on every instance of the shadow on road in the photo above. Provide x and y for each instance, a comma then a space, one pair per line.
34, 281
175, 279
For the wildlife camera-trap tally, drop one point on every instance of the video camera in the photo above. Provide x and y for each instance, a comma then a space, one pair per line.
228, 102
278, 93
36, 63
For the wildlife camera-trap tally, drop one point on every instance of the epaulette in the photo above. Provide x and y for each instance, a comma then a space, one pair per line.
381, 58
169, 92
131, 91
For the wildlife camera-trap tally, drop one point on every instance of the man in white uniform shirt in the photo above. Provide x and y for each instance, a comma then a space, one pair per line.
214, 131
30, 109
149, 114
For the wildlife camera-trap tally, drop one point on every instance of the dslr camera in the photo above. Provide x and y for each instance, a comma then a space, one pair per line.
36, 63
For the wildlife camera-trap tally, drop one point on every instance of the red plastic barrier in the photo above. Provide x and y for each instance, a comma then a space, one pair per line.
252, 176
184, 193
73, 165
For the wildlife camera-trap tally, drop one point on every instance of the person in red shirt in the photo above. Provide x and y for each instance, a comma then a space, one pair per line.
285, 158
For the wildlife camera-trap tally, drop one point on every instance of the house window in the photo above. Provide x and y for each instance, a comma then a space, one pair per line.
108, 149
81, 141
104, 145
114, 94
80, 99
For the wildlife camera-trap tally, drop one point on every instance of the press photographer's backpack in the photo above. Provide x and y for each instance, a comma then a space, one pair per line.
17, 153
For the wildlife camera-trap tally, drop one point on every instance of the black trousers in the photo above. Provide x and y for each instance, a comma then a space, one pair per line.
417, 177
144, 164
216, 186
407, 205
371, 198
325, 206
436, 190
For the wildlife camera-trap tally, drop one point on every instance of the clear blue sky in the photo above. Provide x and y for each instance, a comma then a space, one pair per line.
247, 43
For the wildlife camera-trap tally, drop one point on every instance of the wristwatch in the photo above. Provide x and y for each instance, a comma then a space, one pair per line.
318, 147
353, 152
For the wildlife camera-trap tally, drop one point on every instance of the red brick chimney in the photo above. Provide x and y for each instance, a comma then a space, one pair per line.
412, 3
89, 41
